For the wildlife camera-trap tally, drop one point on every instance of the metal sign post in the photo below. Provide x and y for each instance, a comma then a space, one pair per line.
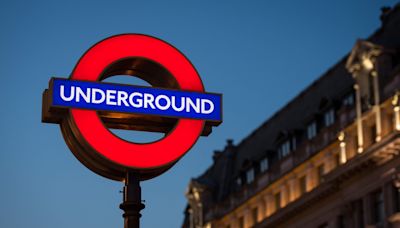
132, 201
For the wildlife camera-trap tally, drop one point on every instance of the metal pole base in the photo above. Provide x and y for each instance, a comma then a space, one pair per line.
132, 201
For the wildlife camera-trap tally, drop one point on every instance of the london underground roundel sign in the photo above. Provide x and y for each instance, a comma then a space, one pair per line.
176, 104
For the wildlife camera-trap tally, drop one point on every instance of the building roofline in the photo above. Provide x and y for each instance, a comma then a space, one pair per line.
313, 84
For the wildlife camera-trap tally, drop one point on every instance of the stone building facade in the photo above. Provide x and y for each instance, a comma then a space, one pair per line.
329, 158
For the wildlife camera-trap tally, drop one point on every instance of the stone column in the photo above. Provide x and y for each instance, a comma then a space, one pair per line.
267, 210
377, 107
270, 204
367, 204
191, 219
234, 221
396, 112
394, 218
361, 64
293, 192
284, 195
261, 208
247, 218
342, 145
310, 178
360, 133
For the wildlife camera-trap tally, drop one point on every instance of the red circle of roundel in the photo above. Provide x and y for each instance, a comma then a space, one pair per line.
130, 154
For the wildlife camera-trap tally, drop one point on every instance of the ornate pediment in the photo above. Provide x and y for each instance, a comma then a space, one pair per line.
363, 57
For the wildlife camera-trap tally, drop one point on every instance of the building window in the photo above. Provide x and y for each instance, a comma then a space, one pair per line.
312, 130
324, 225
337, 159
250, 175
329, 117
373, 133
378, 207
358, 213
239, 181
355, 143
348, 100
303, 185
277, 200
294, 143
264, 165
254, 214
321, 172
241, 222
396, 197
284, 149
340, 221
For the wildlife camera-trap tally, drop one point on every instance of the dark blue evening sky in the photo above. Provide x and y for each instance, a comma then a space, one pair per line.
258, 54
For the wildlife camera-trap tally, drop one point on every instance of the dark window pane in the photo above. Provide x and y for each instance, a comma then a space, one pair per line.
325, 225
396, 197
378, 207
255, 215
277, 200
303, 185
241, 222
321, 172
341, 221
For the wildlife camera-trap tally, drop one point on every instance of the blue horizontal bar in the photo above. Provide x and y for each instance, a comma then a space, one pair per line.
136, 99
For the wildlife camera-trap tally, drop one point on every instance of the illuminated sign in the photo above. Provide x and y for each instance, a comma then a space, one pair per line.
176, 105
134, 99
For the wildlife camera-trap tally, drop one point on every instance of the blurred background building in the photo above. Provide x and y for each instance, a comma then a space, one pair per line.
328, 158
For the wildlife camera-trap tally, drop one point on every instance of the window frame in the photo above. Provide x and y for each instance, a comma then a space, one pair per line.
250, 175
329, 117
284, 149
303, 184
264, 165
378, 207
348, 100
277, 201
320, 173
312, 130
